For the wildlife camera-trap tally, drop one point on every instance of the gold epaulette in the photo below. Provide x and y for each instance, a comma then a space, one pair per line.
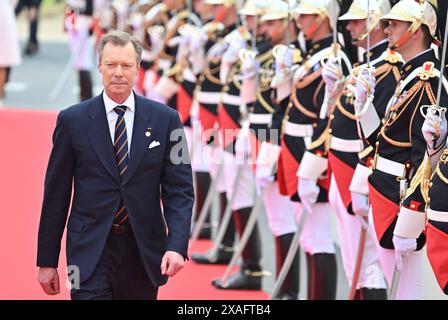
383, 71
427, 71
391, 57
183, 14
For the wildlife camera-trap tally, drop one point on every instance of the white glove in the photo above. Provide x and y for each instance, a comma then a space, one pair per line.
250, 66
360, 204
403, 247
217, 50
434, 120
284, 62
331, 72
231, 54
308, 192
365, 86
229, 58
261, 183
242, 144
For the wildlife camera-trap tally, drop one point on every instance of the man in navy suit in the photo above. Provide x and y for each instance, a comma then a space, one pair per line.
125, 157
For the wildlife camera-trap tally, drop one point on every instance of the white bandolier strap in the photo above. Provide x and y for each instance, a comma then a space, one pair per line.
208, 97
410, 223
434, 215
310, 63
267, 159
360, 183
231, 99
260, 118
390, 167
298, 130
189, 76
312, 166
344, 145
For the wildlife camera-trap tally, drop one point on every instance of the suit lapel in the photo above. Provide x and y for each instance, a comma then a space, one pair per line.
99, 135
140, 141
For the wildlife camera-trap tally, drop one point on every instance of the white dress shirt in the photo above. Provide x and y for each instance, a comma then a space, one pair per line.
112, 116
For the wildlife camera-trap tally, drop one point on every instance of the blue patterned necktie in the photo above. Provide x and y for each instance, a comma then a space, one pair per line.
122, 156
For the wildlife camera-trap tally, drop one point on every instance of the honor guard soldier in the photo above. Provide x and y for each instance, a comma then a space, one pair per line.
229, 119
345, 145
435, 133
79, 26
398, 194
300, 122
262, 139
204, 111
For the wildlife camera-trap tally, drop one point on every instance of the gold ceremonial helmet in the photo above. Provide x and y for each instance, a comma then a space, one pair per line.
361, 9
323, 8
418, 12
251, 8
276, 10
226, 3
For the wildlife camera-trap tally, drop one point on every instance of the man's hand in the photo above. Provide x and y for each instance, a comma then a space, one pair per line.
360, 204
403, 248
172, 263
434, 128
48, 278
365, 86
308, 193
331, 73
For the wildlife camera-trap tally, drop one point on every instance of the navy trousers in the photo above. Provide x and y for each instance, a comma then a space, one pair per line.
119, 274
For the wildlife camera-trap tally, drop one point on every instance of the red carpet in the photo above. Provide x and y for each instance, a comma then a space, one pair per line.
194, 282
25, 146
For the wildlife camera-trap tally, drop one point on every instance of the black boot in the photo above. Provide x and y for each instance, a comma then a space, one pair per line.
85, 85
202, 187
290, 286
225, 251
249, 276
322, 276
373, 294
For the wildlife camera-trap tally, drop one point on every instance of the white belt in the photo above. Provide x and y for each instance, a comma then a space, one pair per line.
390, 167
231, 99
260, 118
441, 216
298, 130
344, 145
208, 97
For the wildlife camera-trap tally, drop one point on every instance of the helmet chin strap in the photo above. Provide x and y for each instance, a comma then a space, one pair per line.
314, 26
406, 36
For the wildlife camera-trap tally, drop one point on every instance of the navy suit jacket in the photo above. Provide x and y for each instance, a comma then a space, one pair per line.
83, 160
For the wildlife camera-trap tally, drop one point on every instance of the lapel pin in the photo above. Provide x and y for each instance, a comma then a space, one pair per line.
148, 132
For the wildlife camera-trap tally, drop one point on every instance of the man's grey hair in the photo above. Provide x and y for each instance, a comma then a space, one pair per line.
120, 38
